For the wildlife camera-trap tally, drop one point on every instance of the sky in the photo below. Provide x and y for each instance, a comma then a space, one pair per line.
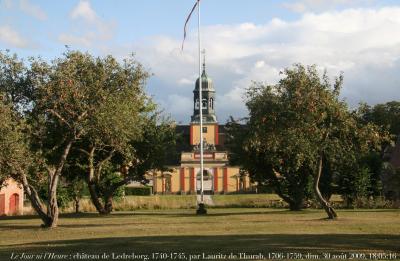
245, 41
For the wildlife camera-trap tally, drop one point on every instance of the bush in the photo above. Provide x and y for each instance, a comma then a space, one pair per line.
138, 191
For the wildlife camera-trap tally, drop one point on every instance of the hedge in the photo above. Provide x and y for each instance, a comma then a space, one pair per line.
138, 191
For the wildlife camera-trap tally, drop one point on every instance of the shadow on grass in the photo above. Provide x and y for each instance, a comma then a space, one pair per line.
193, 218
370, 210
72, 215
172, 213
317, 243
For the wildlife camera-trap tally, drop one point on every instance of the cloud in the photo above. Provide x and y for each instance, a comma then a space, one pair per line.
85, 11
96, 29
32, 10
297, 7
362, 43
7, 3
185, 81
259, 64
302, 6
11, 37
178, 106
69, 39
27, 7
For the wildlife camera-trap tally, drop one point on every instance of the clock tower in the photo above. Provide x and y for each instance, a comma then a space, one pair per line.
210, 124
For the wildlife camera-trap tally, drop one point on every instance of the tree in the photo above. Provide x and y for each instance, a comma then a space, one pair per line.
123, 135
17, 159
64, 102
74, 177
386, 116
109, 168
359, 179
298, 127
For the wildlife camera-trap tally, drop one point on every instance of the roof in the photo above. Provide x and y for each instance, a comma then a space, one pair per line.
206, 82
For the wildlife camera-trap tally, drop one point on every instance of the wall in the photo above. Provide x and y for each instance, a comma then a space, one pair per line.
6, 192
183, 176
210, 136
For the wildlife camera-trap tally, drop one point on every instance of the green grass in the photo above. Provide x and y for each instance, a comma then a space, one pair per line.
250, 230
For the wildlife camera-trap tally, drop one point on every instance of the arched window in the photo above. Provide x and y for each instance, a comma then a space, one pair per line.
211, 103
208, 180
168, 186
204, 104
166, 183
14, 204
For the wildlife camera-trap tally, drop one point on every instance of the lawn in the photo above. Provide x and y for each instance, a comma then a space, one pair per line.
275, 232
157, 202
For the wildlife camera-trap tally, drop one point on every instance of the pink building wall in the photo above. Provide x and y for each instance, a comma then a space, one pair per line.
11, 198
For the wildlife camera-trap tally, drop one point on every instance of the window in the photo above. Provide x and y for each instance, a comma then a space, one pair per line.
204, 104
204, 129
168, 184
197, 105
211, 103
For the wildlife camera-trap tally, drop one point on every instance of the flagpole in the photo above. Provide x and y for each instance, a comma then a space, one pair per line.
201, 109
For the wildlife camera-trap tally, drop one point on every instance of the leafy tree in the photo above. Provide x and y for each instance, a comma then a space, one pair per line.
73, 99
76, 190
64, 197
74, 178
17, 160
359, 178
386, 116
293, 188
109, 168
124, 136
298, 127
12, 144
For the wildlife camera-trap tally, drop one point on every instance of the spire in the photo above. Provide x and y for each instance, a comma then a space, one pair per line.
204, 60
208, 97
207, 83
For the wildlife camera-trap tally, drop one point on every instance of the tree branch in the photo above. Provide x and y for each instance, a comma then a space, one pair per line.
101, 163
61, 118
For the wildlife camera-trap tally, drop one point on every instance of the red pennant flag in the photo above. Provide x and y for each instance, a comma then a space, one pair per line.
187, 20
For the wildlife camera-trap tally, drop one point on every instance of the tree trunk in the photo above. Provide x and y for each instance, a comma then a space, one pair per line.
93, 177
295, 205
92, 184
96, 199
34, 199
108, 206
325, 204
77, 204
52, 209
